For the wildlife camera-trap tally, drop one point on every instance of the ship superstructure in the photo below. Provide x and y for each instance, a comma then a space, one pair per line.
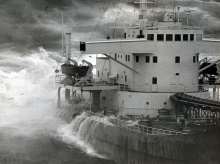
146, 68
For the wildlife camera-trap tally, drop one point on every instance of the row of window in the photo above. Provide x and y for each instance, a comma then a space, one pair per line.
195, 59
127, 57
172, 37
175, 37
147, 59
155, 59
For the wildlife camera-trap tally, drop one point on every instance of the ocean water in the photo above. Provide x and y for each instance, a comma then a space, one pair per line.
32, 128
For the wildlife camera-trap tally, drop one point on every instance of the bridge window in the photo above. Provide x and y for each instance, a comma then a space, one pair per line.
177, 37
194, 59
177, 59
154, 59
169, 37
98, 73
197, 58
154, 80
125, 78
115, 56
147, 59
160, 37
117, 76
150, 37
191, 37
128, 57
185, 37
137, 58
198, 37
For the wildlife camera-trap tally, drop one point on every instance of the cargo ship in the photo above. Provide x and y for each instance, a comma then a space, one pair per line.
150, 101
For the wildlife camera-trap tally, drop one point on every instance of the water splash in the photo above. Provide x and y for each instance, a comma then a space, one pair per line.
25, 105
80, 133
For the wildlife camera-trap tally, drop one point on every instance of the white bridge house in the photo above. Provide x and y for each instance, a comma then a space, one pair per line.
141, 70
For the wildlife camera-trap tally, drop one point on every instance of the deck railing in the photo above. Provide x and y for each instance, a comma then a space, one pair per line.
149, 130
194, 90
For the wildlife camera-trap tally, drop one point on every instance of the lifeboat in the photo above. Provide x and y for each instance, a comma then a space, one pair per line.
74, 70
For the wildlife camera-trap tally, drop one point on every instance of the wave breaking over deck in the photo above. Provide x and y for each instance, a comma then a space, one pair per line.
100, 137
80, 133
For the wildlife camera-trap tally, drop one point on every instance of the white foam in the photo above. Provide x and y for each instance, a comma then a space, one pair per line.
72, 135
28, 100
25, 103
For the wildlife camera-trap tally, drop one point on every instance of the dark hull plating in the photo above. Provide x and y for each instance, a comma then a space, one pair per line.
127, 147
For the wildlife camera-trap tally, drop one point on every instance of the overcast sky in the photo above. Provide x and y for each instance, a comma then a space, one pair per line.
29, 24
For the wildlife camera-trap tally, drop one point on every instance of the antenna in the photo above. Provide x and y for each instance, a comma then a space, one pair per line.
178, 8
174, 13
143, 11
143, 8
187, 16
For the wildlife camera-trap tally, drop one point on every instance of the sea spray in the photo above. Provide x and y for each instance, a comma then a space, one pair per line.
70, 137
81, 133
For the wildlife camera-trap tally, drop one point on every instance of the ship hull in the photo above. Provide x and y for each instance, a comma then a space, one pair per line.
127, 147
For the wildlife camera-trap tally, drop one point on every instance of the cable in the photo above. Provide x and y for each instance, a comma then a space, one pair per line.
79, 57
164, 6
99, 20
118, 13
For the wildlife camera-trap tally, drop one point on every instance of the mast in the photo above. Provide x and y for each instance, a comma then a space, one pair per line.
62, 34
143, 13
203, 16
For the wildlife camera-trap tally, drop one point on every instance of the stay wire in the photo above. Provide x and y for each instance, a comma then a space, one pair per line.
117, 15
99, 20
164, 6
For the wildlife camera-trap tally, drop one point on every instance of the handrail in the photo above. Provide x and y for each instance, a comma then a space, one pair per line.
132, 127
131, 87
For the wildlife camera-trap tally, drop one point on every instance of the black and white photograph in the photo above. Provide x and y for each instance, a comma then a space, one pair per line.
109, 81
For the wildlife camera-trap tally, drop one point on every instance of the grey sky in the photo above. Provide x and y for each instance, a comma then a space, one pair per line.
29, 24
